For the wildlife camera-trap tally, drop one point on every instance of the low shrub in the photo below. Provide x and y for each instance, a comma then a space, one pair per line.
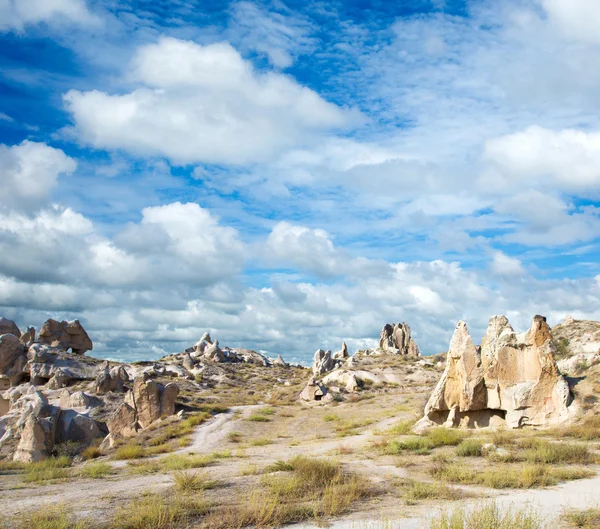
192, 481
489, 517
52, 469
96, 470
130, 451
469, 448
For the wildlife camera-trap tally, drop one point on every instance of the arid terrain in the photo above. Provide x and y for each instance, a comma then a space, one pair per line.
247, 443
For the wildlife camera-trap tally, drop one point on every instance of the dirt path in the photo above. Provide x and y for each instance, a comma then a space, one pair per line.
211, 435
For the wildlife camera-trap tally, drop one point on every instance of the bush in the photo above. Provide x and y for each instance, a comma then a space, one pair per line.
586, 518
419, 490
257, 417
556, 453
445, 436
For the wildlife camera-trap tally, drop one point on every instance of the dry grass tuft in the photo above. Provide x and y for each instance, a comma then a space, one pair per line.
488, 517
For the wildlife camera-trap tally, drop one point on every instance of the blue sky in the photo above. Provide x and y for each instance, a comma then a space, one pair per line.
291, 174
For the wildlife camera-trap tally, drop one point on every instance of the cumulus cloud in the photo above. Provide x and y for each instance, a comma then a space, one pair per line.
570, 157
504, 265
17, 14
203, 104
28, 173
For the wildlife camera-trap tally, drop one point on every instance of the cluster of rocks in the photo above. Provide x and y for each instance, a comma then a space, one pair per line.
511, 380
205, 349
578, 342
40, 407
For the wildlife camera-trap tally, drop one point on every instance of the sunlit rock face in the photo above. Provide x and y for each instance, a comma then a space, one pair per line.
511, 380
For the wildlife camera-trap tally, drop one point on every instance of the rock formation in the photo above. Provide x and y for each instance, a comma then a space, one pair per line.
396, 339
9, 327
147, 402
325, 361
511, 380
578, 344
65, 335
315, 392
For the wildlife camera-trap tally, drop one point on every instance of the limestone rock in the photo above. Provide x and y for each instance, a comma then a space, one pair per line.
28, 337
323, 362
512, 380
314, 392
9, 327
279, 361
341, 354
396, 339
77, 427
65, 335
123, 422
111, 380
13, 358
577, 336
214, 353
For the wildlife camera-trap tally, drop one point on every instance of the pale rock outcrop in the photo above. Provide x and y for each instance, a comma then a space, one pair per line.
77, 399
325, 361
396, 339
9, 327
512, 380
65, 335
342, 354
279, 361
578, 336
578, 363
214, 353
147, 402
13, 358
315, 392
111, 380
28, 337
343, 379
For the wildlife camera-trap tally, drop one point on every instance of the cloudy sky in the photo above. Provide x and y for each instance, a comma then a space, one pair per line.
290, 174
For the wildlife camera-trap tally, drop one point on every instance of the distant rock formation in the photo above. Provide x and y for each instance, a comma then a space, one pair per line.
9, 327
315, 392
325, 361
511, 380
65, 335
396, 339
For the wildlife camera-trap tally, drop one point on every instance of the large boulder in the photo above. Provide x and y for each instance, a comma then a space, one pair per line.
13, 358
147, 402
9, 327
395, 338
65, 335
512, 380
111, 380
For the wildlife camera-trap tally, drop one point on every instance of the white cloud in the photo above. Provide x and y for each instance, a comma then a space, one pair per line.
28, 173
504, 265
203, 104
570, 157
17, 14
576, 19
281, 36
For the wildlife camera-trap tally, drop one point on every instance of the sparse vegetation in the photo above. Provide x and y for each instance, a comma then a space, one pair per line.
96, 470
193, 481
583, 518
50, 517
130, 451
52, 469
487, 517
91, 452
421, 490
469, 448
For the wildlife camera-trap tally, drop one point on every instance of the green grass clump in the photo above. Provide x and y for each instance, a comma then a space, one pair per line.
588, 429
155, 512
50, 517
331, 417
96, 470
91, 452
540, 451
418, 445
507, 476
445, 436
235, 437
193, 481
401, 428
421, 490
583, 518
469, 448
488, 517
257, 417
52, 469
261, 441
130, 451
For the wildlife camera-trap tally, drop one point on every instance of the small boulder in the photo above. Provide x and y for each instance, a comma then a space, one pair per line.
9, 327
